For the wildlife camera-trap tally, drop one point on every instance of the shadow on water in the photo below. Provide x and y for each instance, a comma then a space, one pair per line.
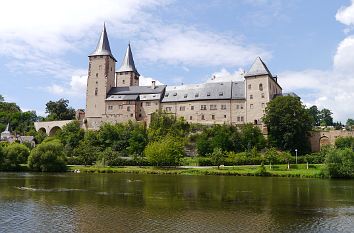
166, 203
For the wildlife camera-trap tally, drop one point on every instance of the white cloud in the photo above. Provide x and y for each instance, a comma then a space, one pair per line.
225, 76
187, 46
146, 81
345, 15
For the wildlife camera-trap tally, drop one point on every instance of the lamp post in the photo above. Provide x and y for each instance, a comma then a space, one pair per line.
296, 156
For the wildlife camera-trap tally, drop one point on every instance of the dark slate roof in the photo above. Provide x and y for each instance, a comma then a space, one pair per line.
204, 91
238, 90
258, 68
103, 48
128, 62
122, 97
136, 90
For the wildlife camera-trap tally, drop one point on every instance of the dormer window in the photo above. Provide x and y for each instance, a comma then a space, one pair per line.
197, 95
175, 94
185, 95
208, 94
221, 93
166, 95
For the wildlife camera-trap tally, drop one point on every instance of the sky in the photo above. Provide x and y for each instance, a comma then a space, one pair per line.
308, 44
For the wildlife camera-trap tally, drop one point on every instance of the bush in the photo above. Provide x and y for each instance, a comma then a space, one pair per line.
344, 142
86, 152
165, 152
340, 163
217, 157
48, 157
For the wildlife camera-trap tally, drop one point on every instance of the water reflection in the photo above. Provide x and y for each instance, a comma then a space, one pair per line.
163, 203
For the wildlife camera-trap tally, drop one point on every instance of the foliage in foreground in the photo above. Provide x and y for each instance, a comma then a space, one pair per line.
340, 163
48, 157
165, 152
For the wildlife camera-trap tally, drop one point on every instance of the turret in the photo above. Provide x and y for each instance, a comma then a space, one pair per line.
101, 78
127, 75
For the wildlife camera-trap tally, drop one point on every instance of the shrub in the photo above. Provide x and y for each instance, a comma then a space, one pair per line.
165, 152
48, 157
217, 157
17, 151
344, 142
86, 152
340, 163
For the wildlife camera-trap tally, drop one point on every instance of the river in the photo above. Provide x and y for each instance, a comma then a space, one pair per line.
67, 202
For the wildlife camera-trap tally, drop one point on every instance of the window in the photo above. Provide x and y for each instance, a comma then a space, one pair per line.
128, 108
249, 86
182, 108
120, 106
208, 94
96, 75
110, 107
139, 115
141, 104
242, 118
213, 107
185, 95
213, 117
238, 118
241, 106
221, 93
203, 107
251, 97
261, 87
131, 115
175, 94
223, 107
196, 94
192, 107
224, 116
237, 106
251, 106
96, 91
148, 104
263, 105
123, 81
166, 95
190, 118
262, 95
203, 118
168, 109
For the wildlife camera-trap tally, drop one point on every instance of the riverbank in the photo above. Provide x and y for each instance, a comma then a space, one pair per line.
314, 171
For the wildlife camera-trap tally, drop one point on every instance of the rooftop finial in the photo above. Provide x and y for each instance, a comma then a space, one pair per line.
103, 48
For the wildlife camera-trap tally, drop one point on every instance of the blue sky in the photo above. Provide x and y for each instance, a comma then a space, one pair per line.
309, 44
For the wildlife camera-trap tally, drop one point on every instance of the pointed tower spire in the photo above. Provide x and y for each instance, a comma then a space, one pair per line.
7, 128
103, 48
258, 68
128, 62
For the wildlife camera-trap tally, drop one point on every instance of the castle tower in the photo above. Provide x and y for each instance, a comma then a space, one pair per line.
127, 75
261, 87
101, 78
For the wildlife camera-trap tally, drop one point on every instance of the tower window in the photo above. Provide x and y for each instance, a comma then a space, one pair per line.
213, 117
123, 81
262, 95
251, 96
249, 86
96, 75
251, 106
192, 107
261, 87
96, 91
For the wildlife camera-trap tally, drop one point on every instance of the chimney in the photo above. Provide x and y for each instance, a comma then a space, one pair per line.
153, 84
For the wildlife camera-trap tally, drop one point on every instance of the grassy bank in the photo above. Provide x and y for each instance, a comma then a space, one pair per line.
314, 171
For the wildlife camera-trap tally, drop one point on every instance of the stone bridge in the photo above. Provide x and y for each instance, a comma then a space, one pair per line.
50, 127
322, 138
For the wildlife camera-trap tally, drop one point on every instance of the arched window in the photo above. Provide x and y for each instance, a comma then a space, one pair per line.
261, 87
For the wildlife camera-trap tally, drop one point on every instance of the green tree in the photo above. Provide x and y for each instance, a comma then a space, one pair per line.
217, 157
340, 163
59, 110
48, 157
166, 152
288, 124
326, 118
71, 135
17, 152
344, 142
2, 99
315, 114
349, 124
251, 136
138, 139
163, 124
86, 152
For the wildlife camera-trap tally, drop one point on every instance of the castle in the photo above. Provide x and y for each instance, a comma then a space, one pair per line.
115, 96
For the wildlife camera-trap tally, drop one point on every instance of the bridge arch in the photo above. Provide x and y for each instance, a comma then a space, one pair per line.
50, 127
53, 131
43, 130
